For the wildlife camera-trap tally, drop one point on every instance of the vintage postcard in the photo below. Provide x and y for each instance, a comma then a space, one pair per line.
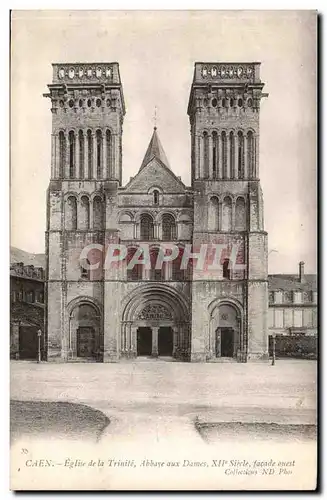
163, 326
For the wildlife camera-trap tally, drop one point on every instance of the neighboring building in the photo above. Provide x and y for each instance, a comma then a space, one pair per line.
116, 313
293, 304
26, 310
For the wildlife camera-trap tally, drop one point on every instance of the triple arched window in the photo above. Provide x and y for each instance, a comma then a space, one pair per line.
84, 213
157, 270
227, 214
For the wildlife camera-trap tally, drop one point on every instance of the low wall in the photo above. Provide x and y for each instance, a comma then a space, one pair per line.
294, 346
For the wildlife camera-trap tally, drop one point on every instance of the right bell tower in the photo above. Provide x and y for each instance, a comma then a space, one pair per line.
224, 110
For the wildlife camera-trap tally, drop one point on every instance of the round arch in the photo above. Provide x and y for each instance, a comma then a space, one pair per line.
227, 337
159, 313
144, 294
84, 336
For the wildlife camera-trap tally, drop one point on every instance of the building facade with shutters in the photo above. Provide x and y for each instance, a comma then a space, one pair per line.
116, 311
26, 310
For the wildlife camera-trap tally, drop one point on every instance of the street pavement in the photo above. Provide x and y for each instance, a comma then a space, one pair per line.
155, 408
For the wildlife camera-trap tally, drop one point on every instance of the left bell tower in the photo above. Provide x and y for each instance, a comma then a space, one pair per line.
87, 106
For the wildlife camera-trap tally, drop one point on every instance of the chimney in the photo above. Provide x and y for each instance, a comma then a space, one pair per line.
301, 271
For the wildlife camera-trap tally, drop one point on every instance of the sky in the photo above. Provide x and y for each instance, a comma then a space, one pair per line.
156, 51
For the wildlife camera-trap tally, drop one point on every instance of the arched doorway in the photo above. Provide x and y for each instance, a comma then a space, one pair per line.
155, 323
226, 331
84, 332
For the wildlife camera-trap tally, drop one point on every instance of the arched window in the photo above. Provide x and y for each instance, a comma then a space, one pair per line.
97, 213
62, 154
71, 213
135, 273
240, 215
85, 271
227, 214
226, 269
109, 165
214, 155
224, 154
156, 197
232, 155
156, 274
99, 153
206, 154
71, 139
213, 214
84, 220
81, 153
240, 155
147, 227
168, 227
89, 154
251, 157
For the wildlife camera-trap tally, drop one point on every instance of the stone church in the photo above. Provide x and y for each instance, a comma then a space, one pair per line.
196, 314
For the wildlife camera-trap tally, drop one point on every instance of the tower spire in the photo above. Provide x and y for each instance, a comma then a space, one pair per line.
155, 150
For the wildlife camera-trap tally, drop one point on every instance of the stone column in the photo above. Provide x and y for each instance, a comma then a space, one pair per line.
128, 335
123, 339
66, 167
104, 155
256, 155
220, 215
201, 157
168, 270
176, 340
233, 172
210, 153
196, 156
77, 166
54, 154
220, 157
241, 340
228, 156
245, 152
218, 343
155, 342
233, 216
86, 157
155, 231
115, 157
94, 142
134, 340
70, 347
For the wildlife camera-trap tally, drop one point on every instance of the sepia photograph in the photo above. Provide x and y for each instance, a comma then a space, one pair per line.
163, 267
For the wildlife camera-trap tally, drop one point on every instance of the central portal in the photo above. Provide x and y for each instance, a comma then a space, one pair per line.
165, 341
144, 341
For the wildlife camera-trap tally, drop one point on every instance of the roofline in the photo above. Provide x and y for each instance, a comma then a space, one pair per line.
227, 62
161, 163
85, 62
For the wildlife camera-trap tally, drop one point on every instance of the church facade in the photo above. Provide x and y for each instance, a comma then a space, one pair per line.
214, 307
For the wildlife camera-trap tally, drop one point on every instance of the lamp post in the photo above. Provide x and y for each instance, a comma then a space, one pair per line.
39, 334
273, 350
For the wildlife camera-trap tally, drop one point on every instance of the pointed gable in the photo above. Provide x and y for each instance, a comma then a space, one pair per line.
155, 150
155, 173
